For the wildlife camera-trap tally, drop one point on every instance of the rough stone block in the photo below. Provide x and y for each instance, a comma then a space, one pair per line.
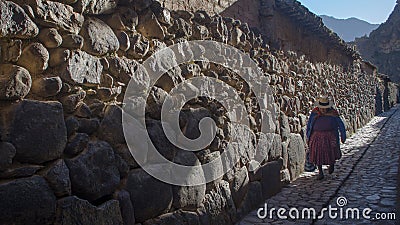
81, 68
19, 25
34, 58
126, 207
95, 7
7, 153
99, 37
239, 186
27, 201
47, 86
188, 197
50, 37
36, 129
15, 82
150, 197
296, 155
57, 175
110, 128
219, 207
72, 210
94, 173
271, 179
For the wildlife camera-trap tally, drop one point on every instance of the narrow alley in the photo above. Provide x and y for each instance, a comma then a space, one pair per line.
362, 190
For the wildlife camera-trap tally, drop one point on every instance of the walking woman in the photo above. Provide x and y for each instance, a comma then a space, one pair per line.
324, 125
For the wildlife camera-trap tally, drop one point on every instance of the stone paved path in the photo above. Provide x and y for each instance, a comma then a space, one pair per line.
365, 177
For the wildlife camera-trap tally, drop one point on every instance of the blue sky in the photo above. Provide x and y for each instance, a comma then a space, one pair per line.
373, 11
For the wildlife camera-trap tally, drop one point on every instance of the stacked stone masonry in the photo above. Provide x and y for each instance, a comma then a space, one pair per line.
284, 25
65, 66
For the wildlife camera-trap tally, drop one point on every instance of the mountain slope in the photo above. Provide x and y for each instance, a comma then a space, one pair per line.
348, 29
382, 47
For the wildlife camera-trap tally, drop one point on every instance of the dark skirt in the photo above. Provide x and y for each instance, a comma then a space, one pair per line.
324, 148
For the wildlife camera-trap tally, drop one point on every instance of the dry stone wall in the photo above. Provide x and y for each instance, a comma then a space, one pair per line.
284, 25
64, 70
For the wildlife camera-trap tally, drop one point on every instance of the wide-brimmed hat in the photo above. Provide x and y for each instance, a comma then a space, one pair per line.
324, 102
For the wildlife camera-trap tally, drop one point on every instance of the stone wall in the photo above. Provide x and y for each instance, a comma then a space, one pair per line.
63, 74
285, 25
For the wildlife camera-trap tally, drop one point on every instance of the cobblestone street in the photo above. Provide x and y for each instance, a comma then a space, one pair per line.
365, 177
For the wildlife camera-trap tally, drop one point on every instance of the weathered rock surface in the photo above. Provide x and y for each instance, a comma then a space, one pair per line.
88, 126
149, 26
159, 140
124, 41
126, 207
138, 5
34, 58
68, 2
73, 210
15, 23
269, 147
150, 197
123, 19
154, 103
46, 86
188, 197
15, 82
140, 46
57, 15
7, 153
20, 171
99, 37
296, 155
213, 158
94, 173
94, 7
181, 28
71, 102
27, 201
10, 50
72, 41
271, 179
58, 56
39, 124
50, 38
110, 128
57, 176
219, 207
81, 68
125, 70
252, 199
76, 144
240, 186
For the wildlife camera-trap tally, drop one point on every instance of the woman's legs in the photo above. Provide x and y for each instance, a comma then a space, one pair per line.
321, 173
331, 168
